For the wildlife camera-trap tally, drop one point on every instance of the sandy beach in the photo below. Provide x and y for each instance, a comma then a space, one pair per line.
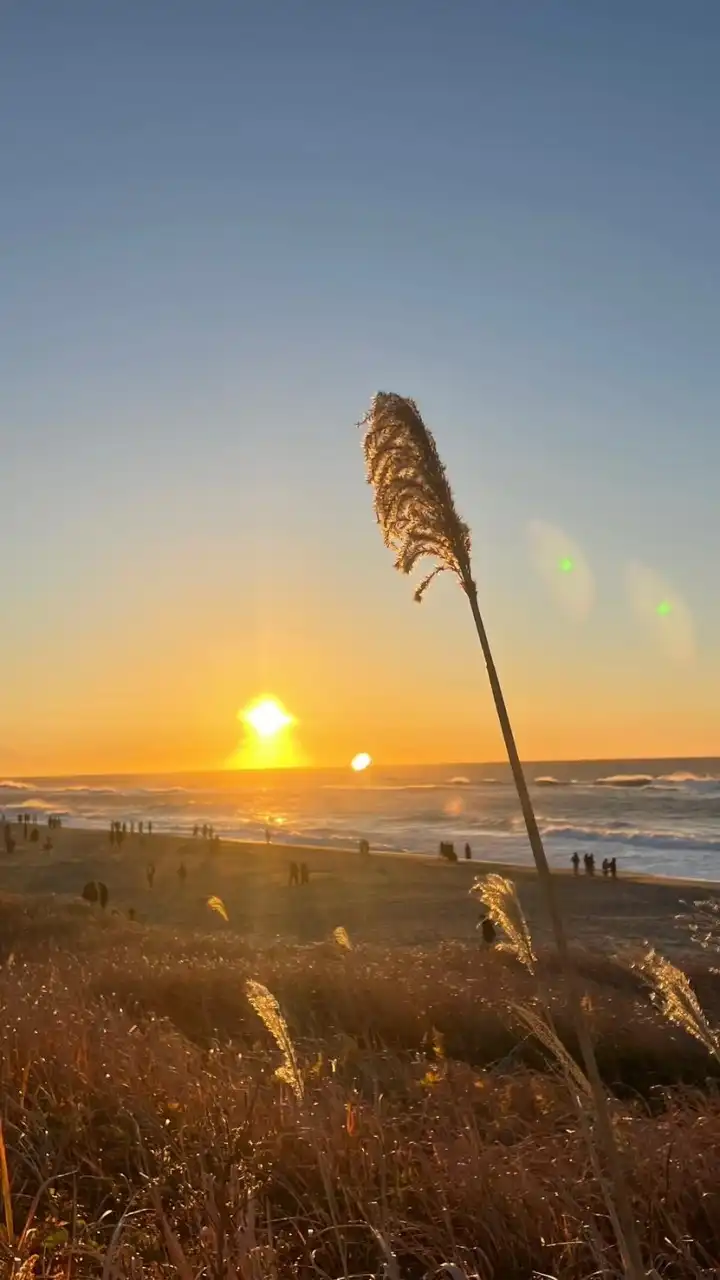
384, 898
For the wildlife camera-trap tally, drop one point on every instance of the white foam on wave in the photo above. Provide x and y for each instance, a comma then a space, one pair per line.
622, 833
10, 785
626, 780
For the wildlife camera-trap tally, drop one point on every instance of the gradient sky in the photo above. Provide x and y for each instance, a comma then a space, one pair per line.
223, 227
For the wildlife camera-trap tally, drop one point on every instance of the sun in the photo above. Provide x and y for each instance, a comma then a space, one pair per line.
360, 762
267, 717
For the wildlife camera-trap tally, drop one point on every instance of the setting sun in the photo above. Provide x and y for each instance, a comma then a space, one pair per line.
361, 761
269, 740
267, 717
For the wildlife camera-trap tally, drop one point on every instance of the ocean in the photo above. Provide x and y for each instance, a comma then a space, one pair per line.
658, 817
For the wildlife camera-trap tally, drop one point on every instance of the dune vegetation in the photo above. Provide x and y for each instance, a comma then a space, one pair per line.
147, 1131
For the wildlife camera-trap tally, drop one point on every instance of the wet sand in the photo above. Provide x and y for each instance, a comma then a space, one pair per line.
384, 898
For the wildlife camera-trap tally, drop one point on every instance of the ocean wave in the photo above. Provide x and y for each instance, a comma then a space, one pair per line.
549, 781
10, 785
626, 780
459, 782
623, 833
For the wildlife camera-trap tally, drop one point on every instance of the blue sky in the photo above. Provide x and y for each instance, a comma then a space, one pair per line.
223, 227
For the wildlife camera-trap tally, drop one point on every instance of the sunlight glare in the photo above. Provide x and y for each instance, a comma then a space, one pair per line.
360, 762
266, 717
269, 739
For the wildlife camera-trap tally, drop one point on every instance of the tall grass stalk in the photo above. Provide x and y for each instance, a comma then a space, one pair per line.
268, 1010
415, 510
678, 1001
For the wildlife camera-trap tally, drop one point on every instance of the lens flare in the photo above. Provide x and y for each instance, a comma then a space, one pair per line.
360, 762
563, 569
666, 616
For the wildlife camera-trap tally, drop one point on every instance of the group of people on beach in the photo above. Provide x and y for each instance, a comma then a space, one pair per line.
609, 865
28, 829
206, 831
447, 851
119, 830
298, 874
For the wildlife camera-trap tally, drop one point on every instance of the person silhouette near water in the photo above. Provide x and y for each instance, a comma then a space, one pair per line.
613, 868
293, 873
468, 853
575, 862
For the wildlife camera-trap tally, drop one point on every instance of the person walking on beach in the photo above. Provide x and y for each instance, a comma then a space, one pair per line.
575, 862
468, 853
613, 868
304, 873
488, 931
605, 866
293, 874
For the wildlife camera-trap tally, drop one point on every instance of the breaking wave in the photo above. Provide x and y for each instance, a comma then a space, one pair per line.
624, 833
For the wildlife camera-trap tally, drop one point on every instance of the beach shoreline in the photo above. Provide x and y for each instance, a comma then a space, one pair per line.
389, 897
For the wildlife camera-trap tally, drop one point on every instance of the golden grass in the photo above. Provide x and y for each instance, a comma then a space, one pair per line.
146, 1135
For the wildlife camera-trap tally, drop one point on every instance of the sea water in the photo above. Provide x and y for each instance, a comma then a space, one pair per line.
657, 817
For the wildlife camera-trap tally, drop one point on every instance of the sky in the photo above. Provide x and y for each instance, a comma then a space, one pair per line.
223, 227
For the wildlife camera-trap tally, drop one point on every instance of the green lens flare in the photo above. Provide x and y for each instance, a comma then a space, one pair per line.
663, 608
566, 565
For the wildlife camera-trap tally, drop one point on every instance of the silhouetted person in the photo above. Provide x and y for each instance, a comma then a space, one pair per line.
140, 827
182, 873
47, 846
131, 913
468, 853
34, 835
103, 894
8, 835
150, 874
304, 873
488, 931
293, 873
605, 866
124, 828
267, 835
364, 848
591, 864
613, 868
575, 862
149, 828
196, 831
90, 892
